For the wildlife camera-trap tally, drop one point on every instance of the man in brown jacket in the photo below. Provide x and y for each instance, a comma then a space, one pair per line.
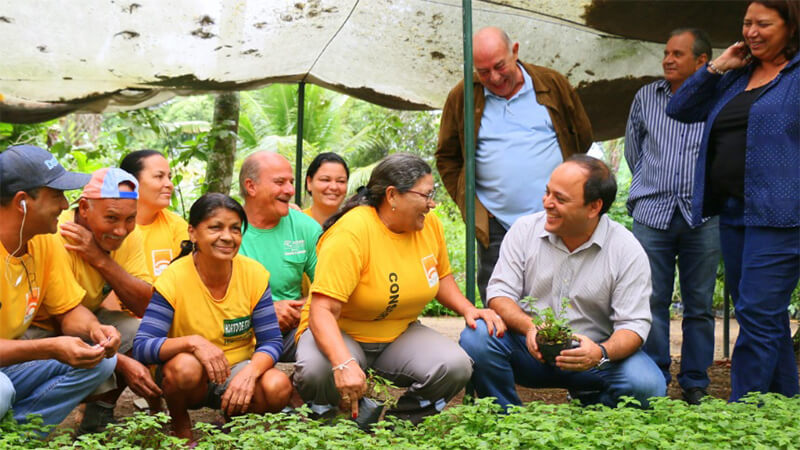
528, 120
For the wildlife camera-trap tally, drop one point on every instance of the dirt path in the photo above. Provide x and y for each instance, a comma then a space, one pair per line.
451, 327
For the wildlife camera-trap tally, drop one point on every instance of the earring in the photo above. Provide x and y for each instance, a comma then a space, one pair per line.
393, 208
194, 246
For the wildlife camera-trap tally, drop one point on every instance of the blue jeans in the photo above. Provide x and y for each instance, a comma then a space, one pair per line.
499, 364
6, 394
697, 253
50, 388
762, 266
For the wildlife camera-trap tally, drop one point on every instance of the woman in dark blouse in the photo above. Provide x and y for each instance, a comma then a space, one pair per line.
748, 172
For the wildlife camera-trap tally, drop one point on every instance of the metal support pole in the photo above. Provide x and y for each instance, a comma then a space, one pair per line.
726, 319
469, 150
298, 168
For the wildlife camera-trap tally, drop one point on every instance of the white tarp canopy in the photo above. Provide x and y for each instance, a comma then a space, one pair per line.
107, 55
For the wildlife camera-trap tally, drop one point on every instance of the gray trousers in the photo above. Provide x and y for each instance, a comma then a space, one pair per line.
433, 367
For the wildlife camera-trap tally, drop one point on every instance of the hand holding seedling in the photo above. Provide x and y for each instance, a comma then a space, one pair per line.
533, 347
581, 358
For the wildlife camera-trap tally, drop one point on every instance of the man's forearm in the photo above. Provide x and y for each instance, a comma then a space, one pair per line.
78, 321
15, 351
515, 318
622, 344
132, 292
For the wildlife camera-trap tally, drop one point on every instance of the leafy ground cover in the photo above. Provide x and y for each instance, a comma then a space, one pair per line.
763, 421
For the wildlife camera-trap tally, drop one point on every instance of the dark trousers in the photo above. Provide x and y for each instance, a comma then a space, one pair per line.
762, 266
487, 256
696, 251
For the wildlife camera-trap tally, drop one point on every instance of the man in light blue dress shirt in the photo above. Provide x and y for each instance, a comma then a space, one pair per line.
661, 153
528, 121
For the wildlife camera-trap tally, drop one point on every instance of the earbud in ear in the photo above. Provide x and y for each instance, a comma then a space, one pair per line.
24, 206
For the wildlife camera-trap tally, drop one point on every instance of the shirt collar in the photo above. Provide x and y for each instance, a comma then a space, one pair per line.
598, 237
665, 86
527, 85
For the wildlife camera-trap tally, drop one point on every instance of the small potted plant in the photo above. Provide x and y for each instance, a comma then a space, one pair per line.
379, 396
553, 332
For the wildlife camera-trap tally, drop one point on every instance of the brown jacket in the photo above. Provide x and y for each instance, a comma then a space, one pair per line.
572, 127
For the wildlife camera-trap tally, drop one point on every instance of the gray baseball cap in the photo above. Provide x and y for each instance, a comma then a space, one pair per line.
27, 167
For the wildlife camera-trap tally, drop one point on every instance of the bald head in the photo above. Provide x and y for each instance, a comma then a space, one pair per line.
491, 39
495, 60
253, 164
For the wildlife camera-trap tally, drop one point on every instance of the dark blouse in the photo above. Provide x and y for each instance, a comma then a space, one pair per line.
728, 144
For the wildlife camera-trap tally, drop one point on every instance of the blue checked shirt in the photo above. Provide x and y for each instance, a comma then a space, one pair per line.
661, 153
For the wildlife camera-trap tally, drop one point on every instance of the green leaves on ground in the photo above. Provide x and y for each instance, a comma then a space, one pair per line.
759, 422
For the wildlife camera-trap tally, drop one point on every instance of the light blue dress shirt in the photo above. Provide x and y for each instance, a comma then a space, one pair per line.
516, 152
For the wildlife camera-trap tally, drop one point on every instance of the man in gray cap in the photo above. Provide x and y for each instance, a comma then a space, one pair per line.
43, 376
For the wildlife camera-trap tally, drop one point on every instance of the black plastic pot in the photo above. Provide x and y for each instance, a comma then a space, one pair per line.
369, 411
550, 351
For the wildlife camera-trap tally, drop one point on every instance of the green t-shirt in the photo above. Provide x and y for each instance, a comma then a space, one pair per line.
286, 251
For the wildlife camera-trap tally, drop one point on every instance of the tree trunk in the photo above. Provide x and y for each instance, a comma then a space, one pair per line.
224, 131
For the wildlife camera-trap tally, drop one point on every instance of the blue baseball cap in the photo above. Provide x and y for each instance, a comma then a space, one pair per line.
24, 167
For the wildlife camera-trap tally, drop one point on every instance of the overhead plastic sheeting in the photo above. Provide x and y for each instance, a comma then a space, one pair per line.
106, 55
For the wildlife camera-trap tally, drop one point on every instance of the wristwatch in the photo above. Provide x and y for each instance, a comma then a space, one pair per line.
604, 362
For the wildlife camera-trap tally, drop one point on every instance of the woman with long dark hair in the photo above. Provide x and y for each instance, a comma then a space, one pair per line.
748, 172
162, 230
199, 328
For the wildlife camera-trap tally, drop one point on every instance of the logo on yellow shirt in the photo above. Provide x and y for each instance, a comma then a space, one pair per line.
161, 259
237, 329
429, 265
31, 304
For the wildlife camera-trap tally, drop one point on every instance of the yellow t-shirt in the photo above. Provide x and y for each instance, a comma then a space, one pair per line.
226, 323
52, 287
162, 240
308, 212
383, 279
129, 256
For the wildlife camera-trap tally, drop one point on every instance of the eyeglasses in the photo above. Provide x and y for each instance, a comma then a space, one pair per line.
429, 196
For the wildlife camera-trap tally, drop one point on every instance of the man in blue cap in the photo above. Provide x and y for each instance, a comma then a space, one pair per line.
43, 376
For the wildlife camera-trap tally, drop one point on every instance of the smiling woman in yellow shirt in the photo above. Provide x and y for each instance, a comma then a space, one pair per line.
162, 230
382, 259
211, 324
326, 183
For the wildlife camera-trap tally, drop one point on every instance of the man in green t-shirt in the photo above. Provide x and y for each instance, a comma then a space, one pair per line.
282, 239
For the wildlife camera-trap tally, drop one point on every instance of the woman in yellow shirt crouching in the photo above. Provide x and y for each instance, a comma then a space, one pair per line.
200, 325
382, 259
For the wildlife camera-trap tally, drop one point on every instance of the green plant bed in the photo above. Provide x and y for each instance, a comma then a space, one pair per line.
761, 421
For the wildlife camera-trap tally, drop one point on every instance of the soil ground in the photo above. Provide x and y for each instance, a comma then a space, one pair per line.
719, 373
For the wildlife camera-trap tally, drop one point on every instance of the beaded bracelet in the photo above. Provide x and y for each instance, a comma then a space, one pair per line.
714, 68
343, 365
